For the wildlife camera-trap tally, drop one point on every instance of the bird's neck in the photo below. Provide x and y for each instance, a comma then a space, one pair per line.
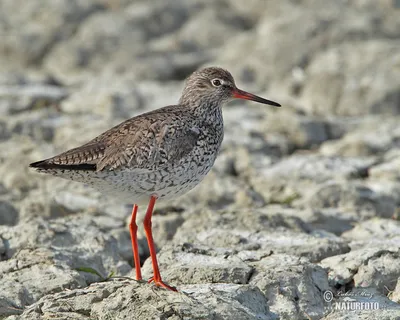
209, 112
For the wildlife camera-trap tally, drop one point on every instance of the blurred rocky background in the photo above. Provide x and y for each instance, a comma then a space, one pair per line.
303, 199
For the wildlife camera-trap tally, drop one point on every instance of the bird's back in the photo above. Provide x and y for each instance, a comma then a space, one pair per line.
166, 151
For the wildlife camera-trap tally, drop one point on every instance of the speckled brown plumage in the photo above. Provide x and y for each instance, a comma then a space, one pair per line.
148, 141
161, 154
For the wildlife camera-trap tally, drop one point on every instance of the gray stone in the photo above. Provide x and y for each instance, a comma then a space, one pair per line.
296, 176
375, 232
367, 267
333, 220
75, 202
349, 75
37, 129
4, 132
361, 303
381, 272
29, 275
387, 314
352, 196
55, 198
395, 294
292, 285
389, 189
259, 230
370, 136
15, 99
44, 257
31, 35
301, 130
131, 31
244, 129
120, 99
165, 226
388, 170
8, 214
219, 192
123, 239
189, 264
75, 131
121, 299
16, 177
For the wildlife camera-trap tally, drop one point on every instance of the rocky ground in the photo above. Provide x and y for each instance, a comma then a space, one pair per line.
303, 201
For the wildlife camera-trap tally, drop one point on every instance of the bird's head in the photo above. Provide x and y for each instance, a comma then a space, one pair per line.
215, 86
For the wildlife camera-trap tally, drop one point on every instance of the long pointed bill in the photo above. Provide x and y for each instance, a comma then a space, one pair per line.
240, 94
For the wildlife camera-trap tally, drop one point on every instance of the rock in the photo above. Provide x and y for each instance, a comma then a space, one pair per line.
3, 190
373, 136
219, 192
361, 303
221, 22
261, 231
189, 264
350, 74
395, 294
303, 131
34, 128
118, 100
4, 132
366, 267
126, 30
44, 257
30, 36
387, 188
123, 240
120, 299
52, 197
165, 226
295, 176
11, 152
381, 272
375, 232
389, 314
333, 220
73, 132
31, 275
8, 214
245, 127
74, 202
387, 170
352, 196
17, 99
292, 286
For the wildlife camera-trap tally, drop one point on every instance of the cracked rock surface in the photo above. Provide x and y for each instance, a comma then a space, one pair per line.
301, 212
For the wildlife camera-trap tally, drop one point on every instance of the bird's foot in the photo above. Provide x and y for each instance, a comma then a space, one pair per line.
160, 283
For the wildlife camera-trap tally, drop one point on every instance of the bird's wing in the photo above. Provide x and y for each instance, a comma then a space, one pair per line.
146, 143
81, 158
150, 144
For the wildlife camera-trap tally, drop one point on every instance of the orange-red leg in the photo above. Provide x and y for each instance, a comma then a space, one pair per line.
133, 231
147, 229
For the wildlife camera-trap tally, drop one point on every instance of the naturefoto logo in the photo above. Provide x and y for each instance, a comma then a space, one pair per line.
361, 300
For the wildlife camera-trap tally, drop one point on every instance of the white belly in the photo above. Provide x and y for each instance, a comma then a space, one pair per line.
136, 186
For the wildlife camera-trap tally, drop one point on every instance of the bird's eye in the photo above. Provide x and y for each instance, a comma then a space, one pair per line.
216, 82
